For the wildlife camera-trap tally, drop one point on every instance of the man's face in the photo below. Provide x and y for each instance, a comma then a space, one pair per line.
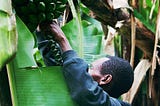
95, 68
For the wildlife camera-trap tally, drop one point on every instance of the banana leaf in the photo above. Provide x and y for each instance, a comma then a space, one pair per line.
8, 35
75, 9
24, 57
91, 41
40, 87
34, 86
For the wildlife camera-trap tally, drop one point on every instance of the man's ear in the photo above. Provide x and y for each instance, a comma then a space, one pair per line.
105, 79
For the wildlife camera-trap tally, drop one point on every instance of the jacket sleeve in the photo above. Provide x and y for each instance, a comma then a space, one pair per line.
84, 90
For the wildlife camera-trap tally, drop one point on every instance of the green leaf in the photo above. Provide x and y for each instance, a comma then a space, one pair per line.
24, 57
38, 58
70, 30
141, 18
92, 39
118, 45
147, 14
8, 35
34, 86
80, 34
40, 87
84, 9
75, 9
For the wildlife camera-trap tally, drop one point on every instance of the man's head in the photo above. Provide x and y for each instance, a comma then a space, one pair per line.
113, 74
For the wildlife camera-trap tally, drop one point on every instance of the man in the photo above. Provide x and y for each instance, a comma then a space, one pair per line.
94, 85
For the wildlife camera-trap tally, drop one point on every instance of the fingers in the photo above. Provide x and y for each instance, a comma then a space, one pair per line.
45, 26
55, 28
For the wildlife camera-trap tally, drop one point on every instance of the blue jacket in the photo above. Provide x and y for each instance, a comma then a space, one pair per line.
83, 89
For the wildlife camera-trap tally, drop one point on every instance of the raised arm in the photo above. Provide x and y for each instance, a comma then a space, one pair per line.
84, 90
53, 28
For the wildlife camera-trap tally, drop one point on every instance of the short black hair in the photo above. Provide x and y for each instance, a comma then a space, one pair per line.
122, 76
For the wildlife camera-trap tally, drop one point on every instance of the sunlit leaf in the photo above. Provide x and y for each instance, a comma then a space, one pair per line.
76, 13
92, 38
8, 35
84, 9
24, 57
34, 86
38, 58
70, 30
40, 87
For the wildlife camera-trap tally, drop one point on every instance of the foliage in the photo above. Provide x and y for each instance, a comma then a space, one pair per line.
8, 35
147, 13
24, 56
30, 85
92, 39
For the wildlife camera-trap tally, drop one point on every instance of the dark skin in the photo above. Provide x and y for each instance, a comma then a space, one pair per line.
54, 29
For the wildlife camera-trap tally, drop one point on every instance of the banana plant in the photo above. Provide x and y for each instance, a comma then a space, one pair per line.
92, 39
31, 85
85, 34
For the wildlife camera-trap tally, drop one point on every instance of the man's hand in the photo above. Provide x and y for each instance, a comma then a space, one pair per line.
51, 27
57, 32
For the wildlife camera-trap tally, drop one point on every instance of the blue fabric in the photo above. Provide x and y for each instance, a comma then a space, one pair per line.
84, 90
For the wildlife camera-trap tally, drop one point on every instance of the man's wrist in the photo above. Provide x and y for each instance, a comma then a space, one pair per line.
64, 44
